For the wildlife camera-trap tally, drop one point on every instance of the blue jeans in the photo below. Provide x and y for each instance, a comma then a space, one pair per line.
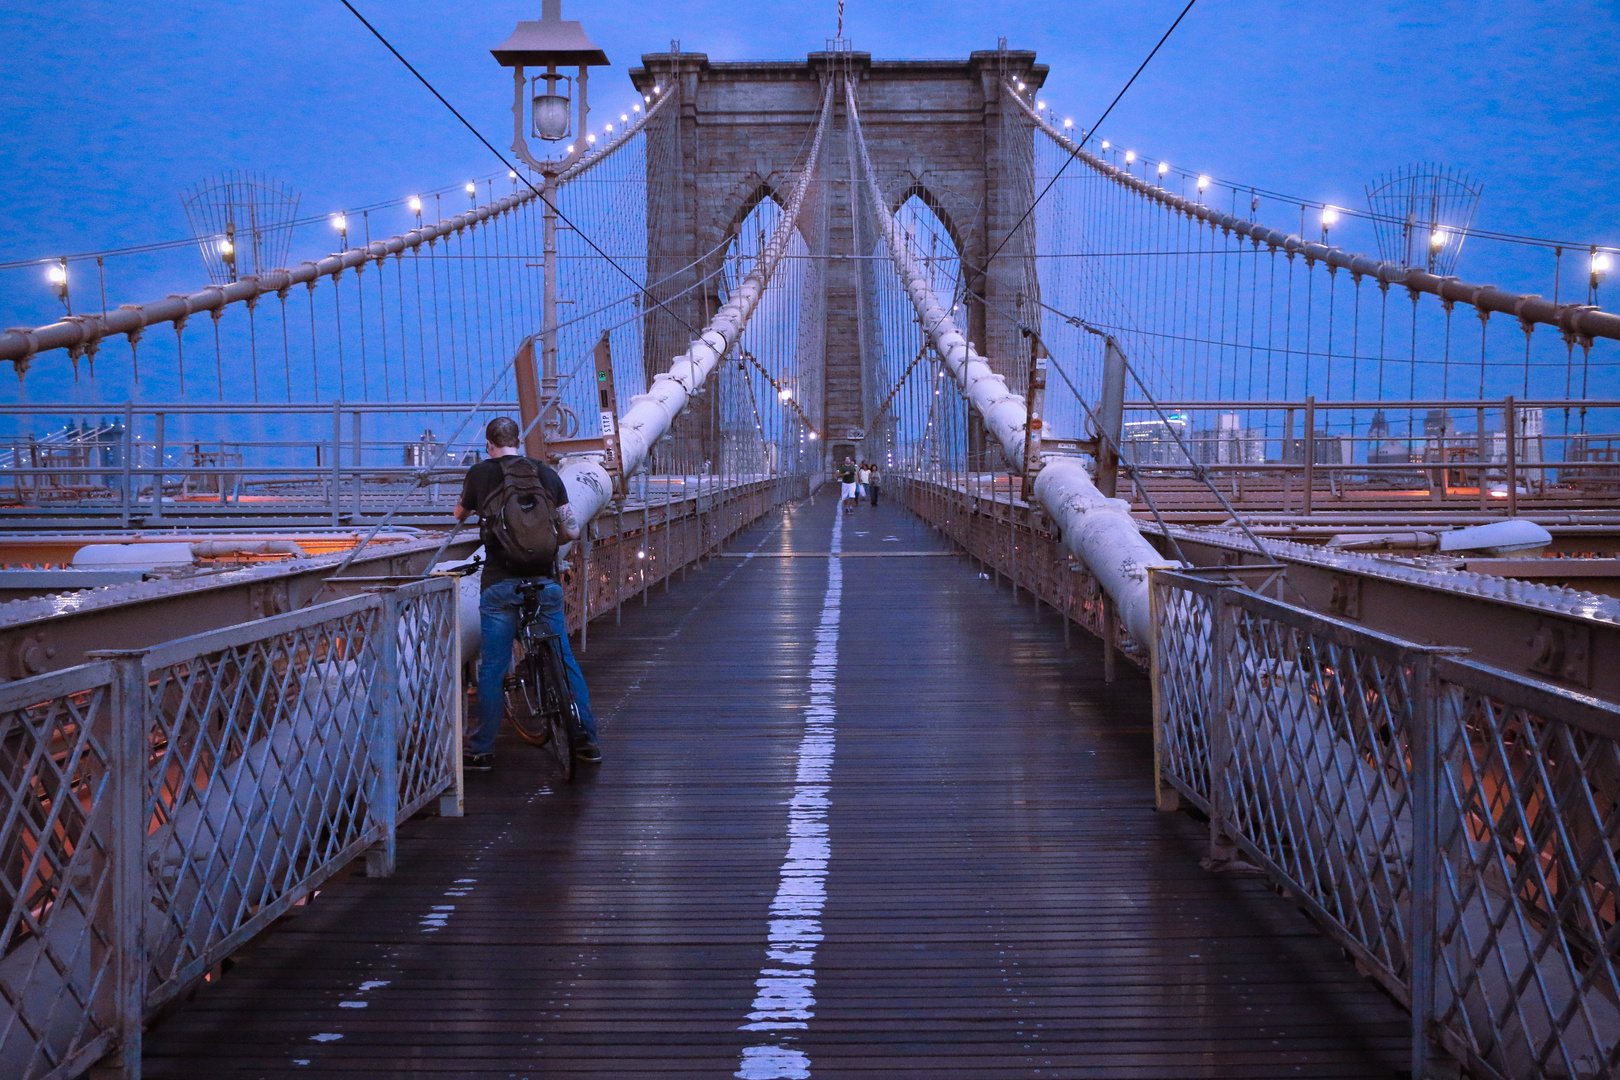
500, 610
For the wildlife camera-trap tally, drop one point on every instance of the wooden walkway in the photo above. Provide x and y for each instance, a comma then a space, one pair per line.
952, 858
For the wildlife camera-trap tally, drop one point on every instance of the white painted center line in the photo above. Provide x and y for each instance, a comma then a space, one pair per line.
786, 987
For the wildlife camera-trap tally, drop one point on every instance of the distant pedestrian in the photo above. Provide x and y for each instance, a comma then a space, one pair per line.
864, 478
846, 479
872, 483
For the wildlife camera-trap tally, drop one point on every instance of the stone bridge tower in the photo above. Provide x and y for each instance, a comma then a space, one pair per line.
934, 128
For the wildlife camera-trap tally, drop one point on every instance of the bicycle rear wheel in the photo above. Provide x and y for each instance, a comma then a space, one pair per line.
558, 708
525, 706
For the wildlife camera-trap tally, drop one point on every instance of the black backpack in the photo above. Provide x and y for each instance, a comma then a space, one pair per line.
519, 517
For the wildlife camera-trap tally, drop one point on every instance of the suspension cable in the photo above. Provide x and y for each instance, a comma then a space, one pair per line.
1140, 68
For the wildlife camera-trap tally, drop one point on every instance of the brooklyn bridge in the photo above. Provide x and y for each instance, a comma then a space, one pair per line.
1219, 677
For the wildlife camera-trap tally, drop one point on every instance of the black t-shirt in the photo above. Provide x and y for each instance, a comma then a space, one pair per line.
482, 479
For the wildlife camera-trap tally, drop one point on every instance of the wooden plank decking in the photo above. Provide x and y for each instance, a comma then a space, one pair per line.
1000, 898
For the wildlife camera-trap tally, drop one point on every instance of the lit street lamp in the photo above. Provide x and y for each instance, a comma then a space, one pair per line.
57, 276
547, 44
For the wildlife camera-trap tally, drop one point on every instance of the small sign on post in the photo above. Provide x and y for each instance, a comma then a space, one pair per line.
608, 406
1035, 409
612, 459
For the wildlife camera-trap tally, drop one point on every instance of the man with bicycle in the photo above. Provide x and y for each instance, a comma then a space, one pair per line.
500, 601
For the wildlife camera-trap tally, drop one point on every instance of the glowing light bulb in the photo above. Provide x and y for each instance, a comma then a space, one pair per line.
1164, 167
226, 248
1020, 86
641, 554
1437, 239
658, 89
472, 188
1106, 144
784, 394
635, 108
569, 149
1601, 263
609, 129
56, 274
415, 204
813, 435
511, 174
646, 98
1040, 105
1130, 156
1203, 182
1330, 217
624, 118
591, 139
1067, 123
340, 223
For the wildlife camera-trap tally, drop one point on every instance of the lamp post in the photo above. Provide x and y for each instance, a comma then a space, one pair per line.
547, 44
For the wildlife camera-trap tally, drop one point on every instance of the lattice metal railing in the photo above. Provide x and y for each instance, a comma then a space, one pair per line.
163, 806
63, 776
1453, 826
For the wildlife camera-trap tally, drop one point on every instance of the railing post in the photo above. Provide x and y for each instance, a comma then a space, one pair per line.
383, 741
159, 451
129, 450
1428, 1061
125, 733
1165, 797
454, 804
1110, 637
1218, 726
1510, 433
1310, 455
354, 418
585, 587
337, 443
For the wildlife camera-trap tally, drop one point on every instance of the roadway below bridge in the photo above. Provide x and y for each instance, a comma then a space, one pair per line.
860, 814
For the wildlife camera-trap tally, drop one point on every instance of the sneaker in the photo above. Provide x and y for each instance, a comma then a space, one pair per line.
478, 762
587, 751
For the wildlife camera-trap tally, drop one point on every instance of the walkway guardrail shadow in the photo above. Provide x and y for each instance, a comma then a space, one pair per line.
163, 806
1451, 825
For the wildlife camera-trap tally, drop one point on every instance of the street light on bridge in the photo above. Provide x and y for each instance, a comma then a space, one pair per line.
56, 275
547, 44
1330, 218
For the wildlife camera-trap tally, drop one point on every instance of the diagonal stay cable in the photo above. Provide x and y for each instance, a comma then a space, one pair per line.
1199, 472
544, 407
1126, 463
513, 168
1085, 135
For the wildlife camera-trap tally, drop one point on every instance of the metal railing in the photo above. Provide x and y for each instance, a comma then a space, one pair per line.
1451, 825
163, 806
1308, 454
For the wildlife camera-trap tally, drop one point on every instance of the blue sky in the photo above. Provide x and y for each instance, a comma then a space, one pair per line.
110, 109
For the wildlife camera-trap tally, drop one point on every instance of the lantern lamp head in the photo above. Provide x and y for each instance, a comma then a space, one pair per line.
546, 44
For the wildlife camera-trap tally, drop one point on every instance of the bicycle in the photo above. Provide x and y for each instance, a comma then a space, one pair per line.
538, 699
